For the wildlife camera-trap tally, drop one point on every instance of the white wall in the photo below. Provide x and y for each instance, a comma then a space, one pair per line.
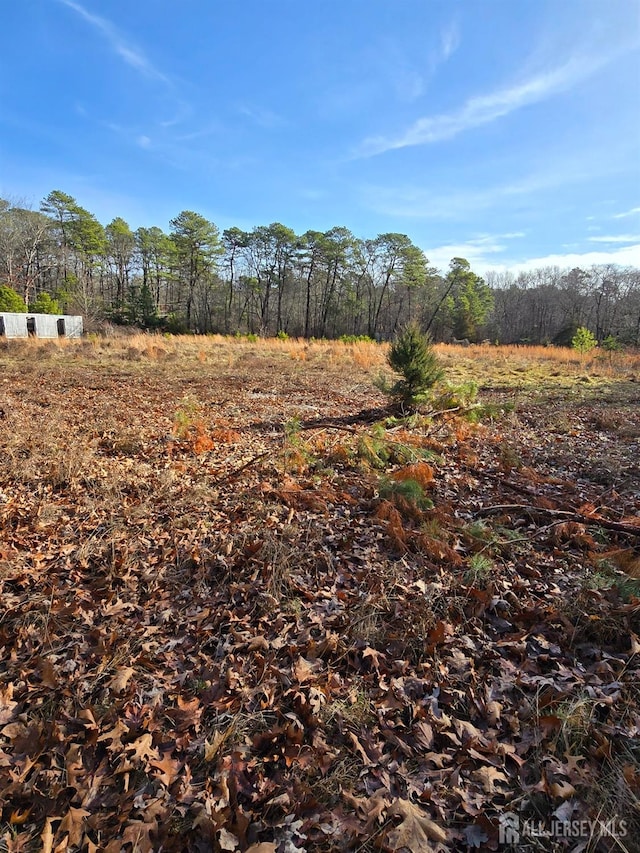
14, 325
73, 327
46, 325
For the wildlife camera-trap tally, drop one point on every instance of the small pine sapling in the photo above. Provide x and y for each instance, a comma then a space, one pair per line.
584, 340
611, 345
412, 356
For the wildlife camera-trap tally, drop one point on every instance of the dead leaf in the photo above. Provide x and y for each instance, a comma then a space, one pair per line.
19, 816
47, 836
168, 767
227, 840
138, 834
489, 777
374, 655
424, 734
493, 710
47, 673
198, 643
475, 836
115, 735
438, 634
121, 679
212, 746
304, 669
72, 824
561, 789
143, 748
416, 830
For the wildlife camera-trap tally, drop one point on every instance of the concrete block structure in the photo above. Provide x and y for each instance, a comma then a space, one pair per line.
13, 326
40, 325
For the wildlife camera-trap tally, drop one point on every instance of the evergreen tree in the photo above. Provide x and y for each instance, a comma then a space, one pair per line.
584, 341
10, 301
197, 244
412, 356
44, 304
469, 300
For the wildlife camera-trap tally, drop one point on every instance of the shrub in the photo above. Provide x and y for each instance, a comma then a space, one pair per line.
174, 324
10, 301
407, 495
44, 304
412, 356
456, 396
356, 339
583, 341
189, 427
611, 344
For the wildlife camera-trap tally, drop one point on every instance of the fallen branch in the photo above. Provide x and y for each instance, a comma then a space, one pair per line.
321, 425
563, 514
328, 425
237, 471
441, 412
533, 510
366, 416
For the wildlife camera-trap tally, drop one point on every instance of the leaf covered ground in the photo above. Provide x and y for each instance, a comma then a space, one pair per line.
244, 609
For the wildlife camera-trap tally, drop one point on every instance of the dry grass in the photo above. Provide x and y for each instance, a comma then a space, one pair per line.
211, 349
106, 473
550, 361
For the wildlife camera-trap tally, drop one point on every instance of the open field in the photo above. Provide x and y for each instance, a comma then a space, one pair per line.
245, 609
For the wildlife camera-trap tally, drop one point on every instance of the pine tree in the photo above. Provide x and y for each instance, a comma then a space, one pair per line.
412, 356
10, 301
584, 340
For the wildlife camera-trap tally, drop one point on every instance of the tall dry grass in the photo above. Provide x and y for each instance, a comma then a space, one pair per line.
563, 359
369, 356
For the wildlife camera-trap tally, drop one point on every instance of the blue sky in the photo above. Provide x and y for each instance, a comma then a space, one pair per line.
503, 131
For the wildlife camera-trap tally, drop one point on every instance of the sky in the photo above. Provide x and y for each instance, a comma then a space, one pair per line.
506, 132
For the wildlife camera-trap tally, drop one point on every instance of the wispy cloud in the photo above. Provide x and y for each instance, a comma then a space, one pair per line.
449, 41
445, 200
474, 250
484, 109
632, 212
430, 203
493, 258
629, 256
262, 116
131, 135
182, 112
313, 193
212, 128
408, 84
617, 238
155, 134
128, 52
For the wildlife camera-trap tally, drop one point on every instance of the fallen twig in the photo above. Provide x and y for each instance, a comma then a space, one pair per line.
442, 412
567, 515
237, 471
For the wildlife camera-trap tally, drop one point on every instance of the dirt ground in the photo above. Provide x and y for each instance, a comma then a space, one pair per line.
246, 606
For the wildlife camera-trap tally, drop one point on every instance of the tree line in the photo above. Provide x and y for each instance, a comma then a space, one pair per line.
270, 281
